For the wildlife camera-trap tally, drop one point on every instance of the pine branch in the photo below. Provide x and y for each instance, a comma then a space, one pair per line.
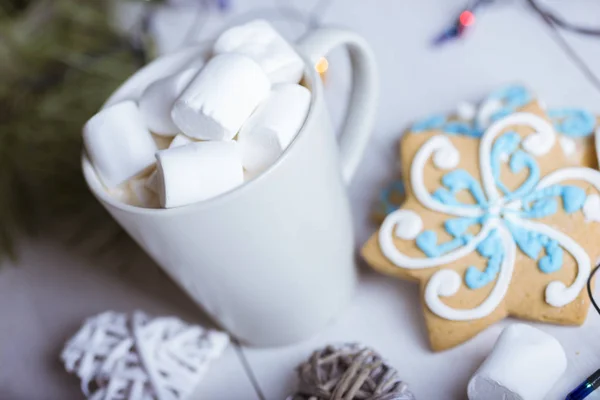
59, 61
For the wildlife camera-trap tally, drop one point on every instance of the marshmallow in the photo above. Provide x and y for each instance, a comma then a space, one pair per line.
273, 126
158, 99
152, 181
118, 143
221, 97
198, 171
261, 42
524, 365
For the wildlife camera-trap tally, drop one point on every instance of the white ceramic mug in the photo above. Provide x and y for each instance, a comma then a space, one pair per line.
273, 260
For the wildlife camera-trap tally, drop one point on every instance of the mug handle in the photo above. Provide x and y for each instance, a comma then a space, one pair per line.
360, 115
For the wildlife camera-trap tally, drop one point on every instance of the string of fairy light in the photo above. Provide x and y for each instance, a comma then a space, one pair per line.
467, 17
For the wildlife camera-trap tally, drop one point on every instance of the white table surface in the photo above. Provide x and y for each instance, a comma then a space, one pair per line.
45, 296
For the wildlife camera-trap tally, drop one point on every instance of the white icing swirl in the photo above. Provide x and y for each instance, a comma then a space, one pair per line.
543, 138
486, 110
466, 111
537, 143
408, 224
591, 208
432, 146
446, 157
445, 283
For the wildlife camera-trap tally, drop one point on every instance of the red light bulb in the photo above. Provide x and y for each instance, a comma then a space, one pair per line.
467, 18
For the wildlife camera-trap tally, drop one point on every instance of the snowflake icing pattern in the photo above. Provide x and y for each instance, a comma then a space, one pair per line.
509, 219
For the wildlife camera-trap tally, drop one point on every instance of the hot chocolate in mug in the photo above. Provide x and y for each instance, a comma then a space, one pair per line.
272, 261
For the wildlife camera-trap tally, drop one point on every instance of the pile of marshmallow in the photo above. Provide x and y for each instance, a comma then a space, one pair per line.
205, 130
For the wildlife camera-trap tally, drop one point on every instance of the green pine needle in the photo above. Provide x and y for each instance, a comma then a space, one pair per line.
59, 61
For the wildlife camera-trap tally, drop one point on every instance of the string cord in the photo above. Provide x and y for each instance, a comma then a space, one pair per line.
589, 288
554, 23
558, 21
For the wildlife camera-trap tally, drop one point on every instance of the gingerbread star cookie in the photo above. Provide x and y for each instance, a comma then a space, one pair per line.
493, 225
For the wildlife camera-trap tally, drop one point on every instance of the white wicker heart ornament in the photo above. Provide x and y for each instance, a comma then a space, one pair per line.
140, 358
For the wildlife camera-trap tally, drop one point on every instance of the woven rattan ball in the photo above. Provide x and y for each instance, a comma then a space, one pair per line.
349, 372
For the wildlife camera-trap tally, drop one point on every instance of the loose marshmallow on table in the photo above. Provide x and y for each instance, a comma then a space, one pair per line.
221, 97
198, 171
152, 180
524, 365
261, 42
118, 143
272, 127
157, 101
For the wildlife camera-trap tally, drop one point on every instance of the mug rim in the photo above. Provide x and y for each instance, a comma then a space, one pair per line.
98, 189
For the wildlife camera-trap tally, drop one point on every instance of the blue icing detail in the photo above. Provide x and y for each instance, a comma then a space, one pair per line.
542, 208
427, 243
509, 144
459, 226
384, 198
573, 122
505, 144
460, 179
513, 95
501, 113
518, 161
459, 128
445, 197
477, 133
491, 248
528, 242
573, 198
432, 122
489, 245
553, 259
550, 191
476, 279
